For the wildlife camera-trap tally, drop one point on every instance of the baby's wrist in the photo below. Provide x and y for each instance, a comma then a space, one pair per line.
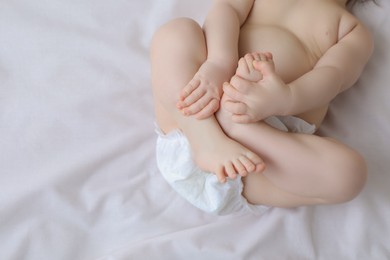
288, 108
228, 64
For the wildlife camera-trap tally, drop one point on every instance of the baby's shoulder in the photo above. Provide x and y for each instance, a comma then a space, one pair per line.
348, 23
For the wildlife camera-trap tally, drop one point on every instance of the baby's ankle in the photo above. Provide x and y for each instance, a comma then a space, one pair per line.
225, 121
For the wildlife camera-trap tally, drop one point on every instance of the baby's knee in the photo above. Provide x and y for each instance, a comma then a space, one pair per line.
350, 177
178, 28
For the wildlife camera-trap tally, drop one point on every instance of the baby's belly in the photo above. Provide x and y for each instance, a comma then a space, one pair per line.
292, 57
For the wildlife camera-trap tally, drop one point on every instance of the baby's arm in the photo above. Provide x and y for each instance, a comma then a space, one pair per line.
222, 25
336, 71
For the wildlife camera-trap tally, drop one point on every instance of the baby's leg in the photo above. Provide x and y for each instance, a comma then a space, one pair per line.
301, 169
178, 50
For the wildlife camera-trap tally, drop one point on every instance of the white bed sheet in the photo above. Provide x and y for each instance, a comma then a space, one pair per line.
78, 178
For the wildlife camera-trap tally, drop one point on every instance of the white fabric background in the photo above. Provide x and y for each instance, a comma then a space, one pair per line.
78, 177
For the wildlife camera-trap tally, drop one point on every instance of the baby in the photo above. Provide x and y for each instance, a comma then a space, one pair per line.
251, 126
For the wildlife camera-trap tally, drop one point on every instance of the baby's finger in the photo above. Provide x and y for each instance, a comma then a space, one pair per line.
197, 106
236, 108
189, 88
208, 110
240, 85
194, 97
231, 92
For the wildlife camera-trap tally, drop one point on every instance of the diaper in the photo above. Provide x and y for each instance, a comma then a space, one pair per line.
202, 189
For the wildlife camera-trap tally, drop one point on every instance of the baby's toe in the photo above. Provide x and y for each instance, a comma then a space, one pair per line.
248, 164
230, 170
240, 167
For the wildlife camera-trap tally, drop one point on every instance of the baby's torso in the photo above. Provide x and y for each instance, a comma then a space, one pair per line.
297, 33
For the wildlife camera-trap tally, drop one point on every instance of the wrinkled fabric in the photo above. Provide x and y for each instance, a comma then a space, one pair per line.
202, 189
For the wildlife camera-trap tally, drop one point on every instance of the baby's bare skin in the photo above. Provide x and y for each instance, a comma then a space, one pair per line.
309, 52
212, 150
252, 87
281, 28
298, 34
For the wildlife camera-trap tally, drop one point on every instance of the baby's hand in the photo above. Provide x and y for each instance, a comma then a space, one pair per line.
254, 100
201, 97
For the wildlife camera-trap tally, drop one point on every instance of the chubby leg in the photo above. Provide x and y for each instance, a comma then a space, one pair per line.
300, 169
178, 50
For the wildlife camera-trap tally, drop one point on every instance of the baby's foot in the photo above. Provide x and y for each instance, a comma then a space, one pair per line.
247, 71
217, 153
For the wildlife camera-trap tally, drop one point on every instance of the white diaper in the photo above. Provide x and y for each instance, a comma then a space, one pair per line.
202, 189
